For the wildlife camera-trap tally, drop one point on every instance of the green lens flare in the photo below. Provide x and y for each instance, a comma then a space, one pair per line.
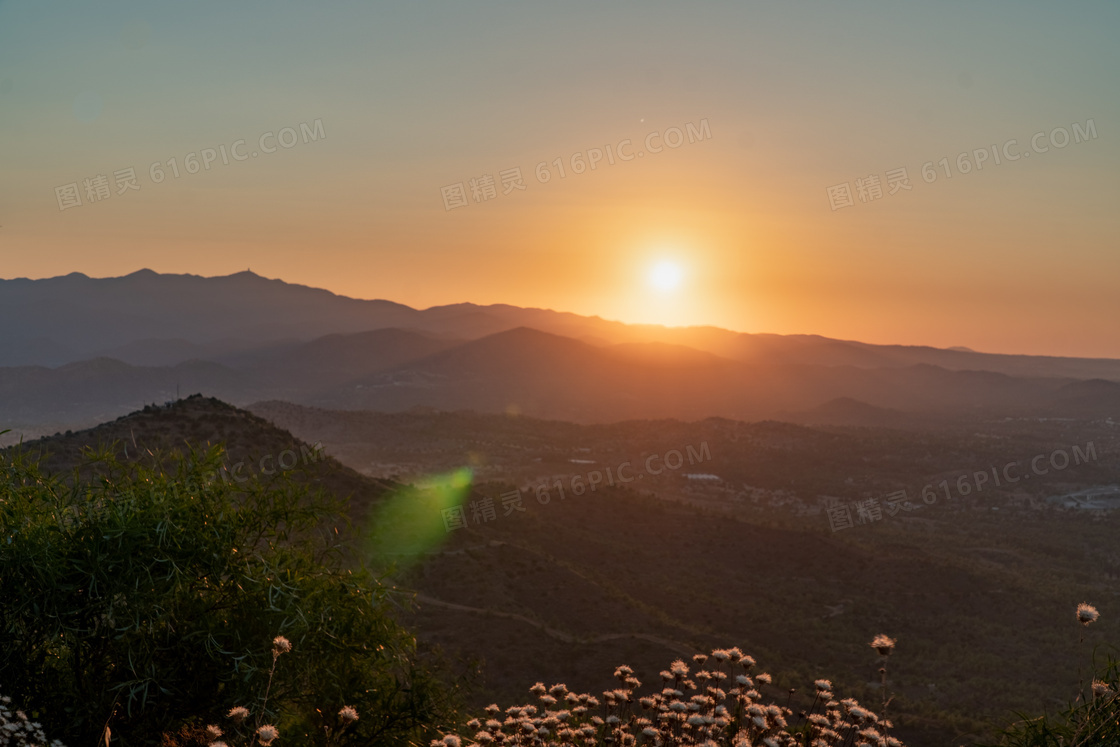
411, 521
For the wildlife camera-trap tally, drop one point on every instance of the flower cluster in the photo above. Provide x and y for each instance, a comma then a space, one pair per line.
266, 734
717, 704
16, 730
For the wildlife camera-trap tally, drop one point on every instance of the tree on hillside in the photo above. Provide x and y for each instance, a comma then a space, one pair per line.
145, 597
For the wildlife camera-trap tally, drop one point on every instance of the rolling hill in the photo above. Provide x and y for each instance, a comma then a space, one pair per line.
665, 567
245, 338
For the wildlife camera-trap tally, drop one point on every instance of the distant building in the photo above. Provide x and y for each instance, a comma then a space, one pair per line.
1096, 498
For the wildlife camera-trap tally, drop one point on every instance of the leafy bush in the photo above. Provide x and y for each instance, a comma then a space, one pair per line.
143, 597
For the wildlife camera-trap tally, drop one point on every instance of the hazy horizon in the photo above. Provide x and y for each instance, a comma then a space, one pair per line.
592, 316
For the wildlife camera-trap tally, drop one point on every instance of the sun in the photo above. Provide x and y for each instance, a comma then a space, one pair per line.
666, 276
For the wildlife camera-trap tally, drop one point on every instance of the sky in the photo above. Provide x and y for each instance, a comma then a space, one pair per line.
860, 170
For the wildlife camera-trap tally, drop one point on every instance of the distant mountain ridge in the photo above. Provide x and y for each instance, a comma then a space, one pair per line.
121, 343
147, 318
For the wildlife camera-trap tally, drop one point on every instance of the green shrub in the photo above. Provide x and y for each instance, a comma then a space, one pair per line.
145, 597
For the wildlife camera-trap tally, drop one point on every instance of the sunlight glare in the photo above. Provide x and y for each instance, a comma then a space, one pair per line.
666, 276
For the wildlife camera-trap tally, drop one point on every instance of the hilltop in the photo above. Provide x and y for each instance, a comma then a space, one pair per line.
200, 422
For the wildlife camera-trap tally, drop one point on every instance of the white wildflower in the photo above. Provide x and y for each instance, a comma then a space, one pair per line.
883, 644
267, 733
1087, 613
